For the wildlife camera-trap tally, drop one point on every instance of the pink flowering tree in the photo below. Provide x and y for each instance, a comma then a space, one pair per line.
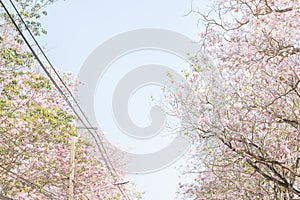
247, 132
40, 149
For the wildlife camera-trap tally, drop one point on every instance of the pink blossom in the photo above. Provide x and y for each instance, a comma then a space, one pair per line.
237, 106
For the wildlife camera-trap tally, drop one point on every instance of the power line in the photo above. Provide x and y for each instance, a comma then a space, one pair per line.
65, 86
48, 74
102, 149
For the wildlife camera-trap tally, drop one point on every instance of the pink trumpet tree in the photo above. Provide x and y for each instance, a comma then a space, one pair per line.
38, 135
248, 131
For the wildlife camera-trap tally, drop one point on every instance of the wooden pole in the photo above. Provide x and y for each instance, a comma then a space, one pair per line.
72, 169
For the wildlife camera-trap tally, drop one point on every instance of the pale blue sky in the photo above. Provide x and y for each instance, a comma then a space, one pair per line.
76, 28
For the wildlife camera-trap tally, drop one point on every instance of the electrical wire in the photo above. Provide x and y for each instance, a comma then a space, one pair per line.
57, 74
100, 147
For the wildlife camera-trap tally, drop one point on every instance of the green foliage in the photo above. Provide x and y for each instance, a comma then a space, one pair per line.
31, 11
13, 57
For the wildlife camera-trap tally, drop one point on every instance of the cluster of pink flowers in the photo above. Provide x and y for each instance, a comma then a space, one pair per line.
251, 145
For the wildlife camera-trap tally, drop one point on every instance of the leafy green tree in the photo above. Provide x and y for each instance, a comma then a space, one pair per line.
39, 144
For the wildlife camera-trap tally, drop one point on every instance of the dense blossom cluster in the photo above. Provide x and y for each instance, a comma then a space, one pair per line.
249, 132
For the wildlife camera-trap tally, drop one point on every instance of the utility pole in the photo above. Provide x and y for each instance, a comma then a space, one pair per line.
72, 169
